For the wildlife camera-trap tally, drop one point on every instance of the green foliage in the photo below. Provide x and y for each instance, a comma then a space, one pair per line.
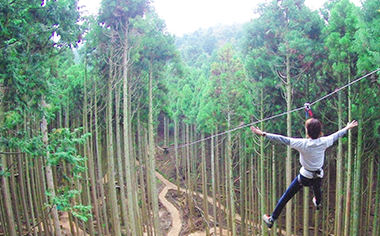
64, 202
367, 36
197, 48
114, 12
63, 148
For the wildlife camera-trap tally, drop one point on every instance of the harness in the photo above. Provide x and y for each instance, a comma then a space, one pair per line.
316, 173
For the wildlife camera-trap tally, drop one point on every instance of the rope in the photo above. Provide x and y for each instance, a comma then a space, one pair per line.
278, 115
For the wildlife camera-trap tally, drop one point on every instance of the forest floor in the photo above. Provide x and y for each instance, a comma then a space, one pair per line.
65, 226
174, 200
176, 219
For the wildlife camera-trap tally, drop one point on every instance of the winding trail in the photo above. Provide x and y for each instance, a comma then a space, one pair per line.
176, 218
175, 215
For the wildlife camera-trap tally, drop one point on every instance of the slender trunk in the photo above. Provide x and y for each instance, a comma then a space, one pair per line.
217, 178
375, 227
29, 180
36, 193
305, 211
347, 218
114, 210
358, 165
90, 162
131, 190
152, 155
142, 163
288, 149
10, 223
242, 185
190, 190
339, 170
274, 185
231, 178
176, 134
123, 201
103, 219
366, 224
263, 196
94, 189
13, 189
49, 176
213, 177
204, 185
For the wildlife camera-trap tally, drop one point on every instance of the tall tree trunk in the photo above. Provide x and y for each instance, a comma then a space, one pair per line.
339, 170
14, 192
114, 210
274, 183
10, 222
347, 218
123, 201
358, 165
142, 166
230, 183
217, 178
263, 196
375, 227
288, 149
188, 179
29, 180
213, 177
152, 155
131, 190
90, 162
366, 223
176, 135
103, 218
204, 185
49, 175
243, 184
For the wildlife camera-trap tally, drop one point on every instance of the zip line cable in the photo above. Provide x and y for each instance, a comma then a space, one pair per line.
278, 115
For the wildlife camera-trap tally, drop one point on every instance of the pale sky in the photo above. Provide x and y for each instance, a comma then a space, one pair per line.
186, 16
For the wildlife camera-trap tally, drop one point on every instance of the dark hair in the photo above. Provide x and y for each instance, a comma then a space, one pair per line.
313, 128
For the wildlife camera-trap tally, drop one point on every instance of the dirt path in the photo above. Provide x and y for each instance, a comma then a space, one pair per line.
176, 219
65, 226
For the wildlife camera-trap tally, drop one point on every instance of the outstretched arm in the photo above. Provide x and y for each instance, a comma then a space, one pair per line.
343, 131
273, 137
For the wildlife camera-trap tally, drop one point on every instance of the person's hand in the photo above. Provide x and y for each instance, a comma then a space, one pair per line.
352, 124
256, 130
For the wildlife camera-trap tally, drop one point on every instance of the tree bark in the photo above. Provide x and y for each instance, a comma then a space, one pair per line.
263, 194
100, 181
358, 170
49, 175
152, 155
114, 209
10, 222
288, 149
347, 218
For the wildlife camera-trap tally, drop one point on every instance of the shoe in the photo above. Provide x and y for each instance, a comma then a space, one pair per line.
317, 206
268, 220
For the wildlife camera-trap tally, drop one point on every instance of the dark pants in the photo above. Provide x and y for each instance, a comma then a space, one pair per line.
294, 187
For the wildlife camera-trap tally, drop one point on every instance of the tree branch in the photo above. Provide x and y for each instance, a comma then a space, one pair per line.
34, 226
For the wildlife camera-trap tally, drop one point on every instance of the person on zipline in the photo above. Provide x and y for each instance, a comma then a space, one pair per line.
312, 155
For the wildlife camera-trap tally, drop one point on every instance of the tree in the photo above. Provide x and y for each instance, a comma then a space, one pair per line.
341, 28
25, 72
287, 31
155, 50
